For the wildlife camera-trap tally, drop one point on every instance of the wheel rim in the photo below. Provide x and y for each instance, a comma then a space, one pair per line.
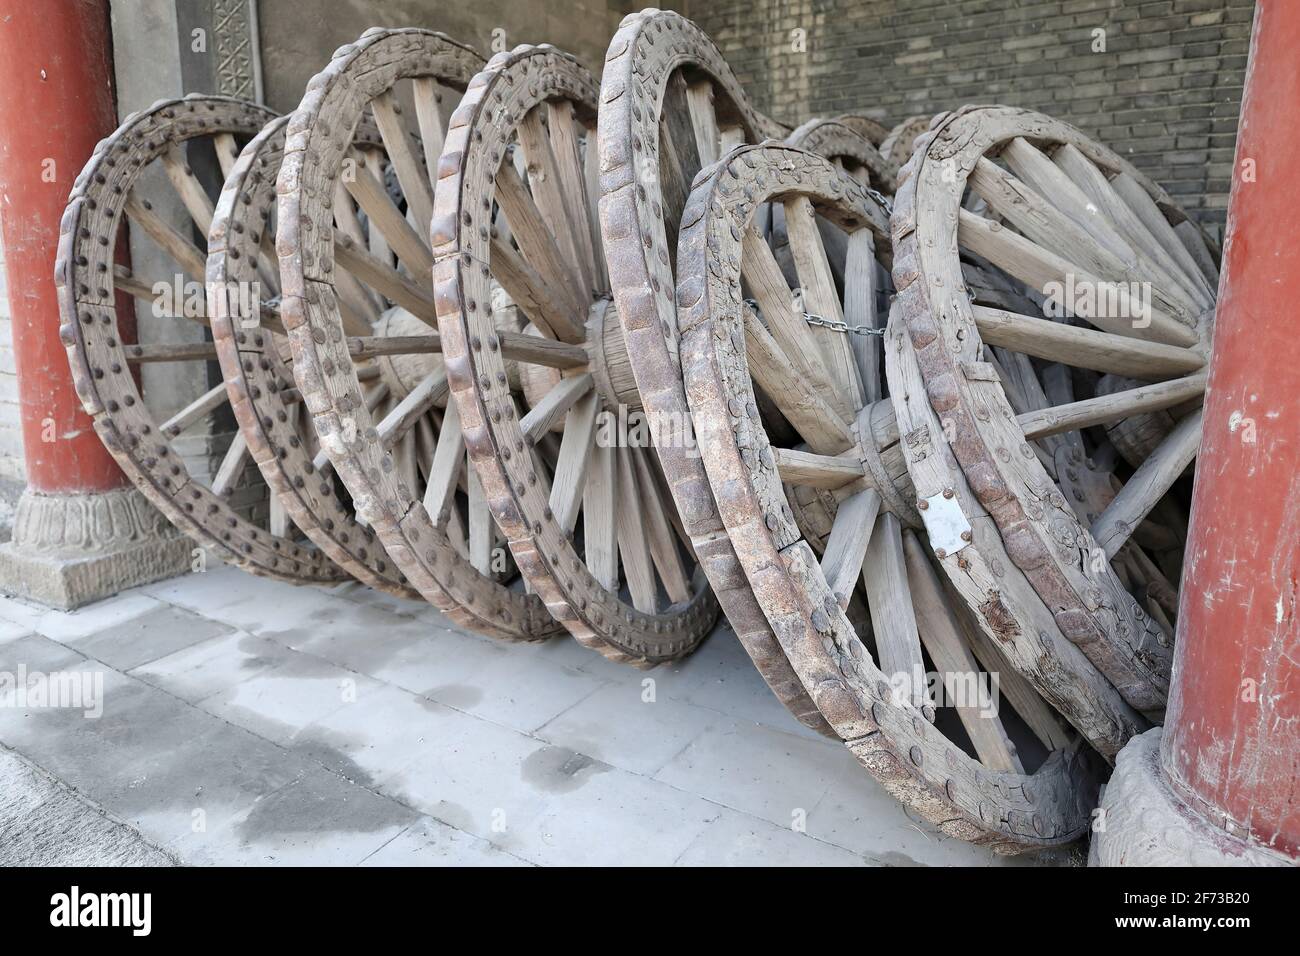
1057, 209
258, 369
201, 481
875, 543
897, 146
404, 470
649, 49
540, 102
872, 130
848, 150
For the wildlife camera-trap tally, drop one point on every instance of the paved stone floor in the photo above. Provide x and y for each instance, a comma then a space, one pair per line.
250, 722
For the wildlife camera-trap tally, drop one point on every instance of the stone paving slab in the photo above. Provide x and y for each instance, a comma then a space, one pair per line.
246, 721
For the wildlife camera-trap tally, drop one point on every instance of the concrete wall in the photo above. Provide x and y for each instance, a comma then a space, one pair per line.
1165, 92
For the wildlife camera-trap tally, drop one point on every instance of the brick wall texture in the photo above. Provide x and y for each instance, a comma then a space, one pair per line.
1164, 93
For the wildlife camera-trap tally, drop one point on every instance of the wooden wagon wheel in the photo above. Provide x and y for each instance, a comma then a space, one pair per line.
848, 150
786, 399
978, 295
585, 517
897, 146
187, 457
255, 358
665, 90
870, 129
403, 462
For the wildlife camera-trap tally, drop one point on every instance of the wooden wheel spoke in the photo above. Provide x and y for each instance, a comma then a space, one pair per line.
1111, 207
570, 479
704, 121
633, 538
373, 271
547, 185
1109, 408
179, 352
600, 531
1148, 485
428, 116
554, 405
232, 466
548, 307
860, 284
822, 299
952, 658
411, 175
663, 546
363, 347
227, 151
402, 417
196, 410
846, 549
1194, 242
1109, 258
445, 468
1140, 201
816, 471
184, 252
535, 350
481, 528
192, 195
573, 186
557, 289
791, 331
387, 221
793, 393
1081, 347
1114, 307
893, 620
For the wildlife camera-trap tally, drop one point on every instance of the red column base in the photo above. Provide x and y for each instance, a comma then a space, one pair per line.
1142, 822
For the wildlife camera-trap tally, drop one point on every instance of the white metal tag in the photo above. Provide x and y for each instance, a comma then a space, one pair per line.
945, 524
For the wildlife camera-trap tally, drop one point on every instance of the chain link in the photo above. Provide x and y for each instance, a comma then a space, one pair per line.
837, 326
832, 324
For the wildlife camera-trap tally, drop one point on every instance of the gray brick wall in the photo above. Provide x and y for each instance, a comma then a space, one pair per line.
1165, 93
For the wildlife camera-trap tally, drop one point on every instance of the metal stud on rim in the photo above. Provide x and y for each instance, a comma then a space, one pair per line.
757, 370
202, 484
405, 470
1058, 208
254, 353
584, 518
670, 106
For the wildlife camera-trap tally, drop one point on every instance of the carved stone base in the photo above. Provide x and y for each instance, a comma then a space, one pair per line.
69, 550
1144, 823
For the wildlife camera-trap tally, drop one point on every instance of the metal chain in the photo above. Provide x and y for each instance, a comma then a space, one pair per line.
837, 326
833, 324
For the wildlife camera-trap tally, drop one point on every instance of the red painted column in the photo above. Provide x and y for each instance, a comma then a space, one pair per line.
1231, 745
56, 103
